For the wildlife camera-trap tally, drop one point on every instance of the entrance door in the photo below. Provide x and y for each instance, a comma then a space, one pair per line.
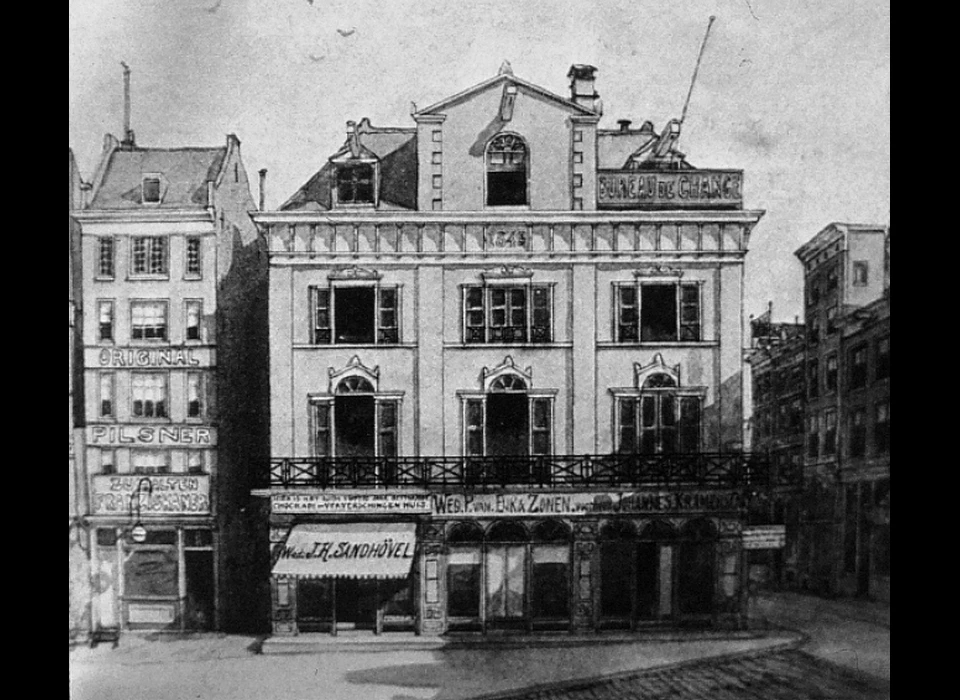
355, 421
200, 592
314, 604
648, 578
356, 603
506, 582
508, 425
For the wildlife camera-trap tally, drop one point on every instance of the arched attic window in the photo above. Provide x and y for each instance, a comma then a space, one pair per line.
355, 385
508, 164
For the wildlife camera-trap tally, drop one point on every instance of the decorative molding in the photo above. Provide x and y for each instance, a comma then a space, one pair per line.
657, 366
433, 531
507, 367
354, 272
731, 527
658, 271
354, 368
507, 272
585, 549
434, 549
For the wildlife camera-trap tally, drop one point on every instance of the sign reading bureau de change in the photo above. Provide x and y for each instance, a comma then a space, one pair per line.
677, 189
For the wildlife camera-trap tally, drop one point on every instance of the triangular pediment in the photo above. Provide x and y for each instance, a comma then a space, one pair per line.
496, 82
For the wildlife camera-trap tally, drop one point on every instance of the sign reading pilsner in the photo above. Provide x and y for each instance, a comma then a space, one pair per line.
670, 189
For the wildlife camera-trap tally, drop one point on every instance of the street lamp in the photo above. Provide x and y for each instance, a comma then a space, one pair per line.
138, 533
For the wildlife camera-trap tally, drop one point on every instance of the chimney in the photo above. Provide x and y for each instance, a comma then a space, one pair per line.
624, 124
128, 138
582, 86
353, 139
263, 189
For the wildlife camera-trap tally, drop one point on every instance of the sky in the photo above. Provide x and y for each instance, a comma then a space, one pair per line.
794, 92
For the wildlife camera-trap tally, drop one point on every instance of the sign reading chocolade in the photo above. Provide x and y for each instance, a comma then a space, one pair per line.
169, 495
357, 504
675, 189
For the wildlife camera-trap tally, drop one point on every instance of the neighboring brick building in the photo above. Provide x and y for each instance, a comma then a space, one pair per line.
173, 365
506, 367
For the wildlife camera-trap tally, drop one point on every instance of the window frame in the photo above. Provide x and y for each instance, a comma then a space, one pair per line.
110, 378
149, 274
881, 368
487, 170
111, 305
331, 309
858, 432
813, 446
199, 413
151, 177
165, 418
831, 377
859, 374
830, 433
638, 285
533, 397
860, 273
530, 328
188, 272
106, 243
164, 455
881, 429
374, 185
678, 396
165, 303
187, 304
326, 404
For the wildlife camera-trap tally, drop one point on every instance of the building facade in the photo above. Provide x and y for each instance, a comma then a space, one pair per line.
170, 268
505, 375
838, 528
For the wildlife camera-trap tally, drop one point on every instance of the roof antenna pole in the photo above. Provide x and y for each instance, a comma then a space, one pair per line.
127, 132
697, 69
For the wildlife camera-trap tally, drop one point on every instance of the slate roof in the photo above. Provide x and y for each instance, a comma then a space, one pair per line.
185, 170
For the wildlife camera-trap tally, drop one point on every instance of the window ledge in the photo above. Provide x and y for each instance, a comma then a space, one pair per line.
192, 278
104, 278
148, 278
530, 346
353, 346
662, 344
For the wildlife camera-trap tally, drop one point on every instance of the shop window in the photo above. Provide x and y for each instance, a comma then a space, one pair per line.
696, 567
107, 390
658, 312
813, 378
105, 320
194, 316
507, 170
881, 427
831, 377
106, 257
150, 573
506, 570
193, 260
882, 354
149, 394
507, 314
148, 320
355, 184
659, 420
150, 256
861, 273
363, 315
150, 461
858, 432
858, 367
830, 432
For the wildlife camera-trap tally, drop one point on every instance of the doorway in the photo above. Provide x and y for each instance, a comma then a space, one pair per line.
356, 604
355, 418
508, 425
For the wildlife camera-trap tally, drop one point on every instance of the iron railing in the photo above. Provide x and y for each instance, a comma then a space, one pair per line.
702, 469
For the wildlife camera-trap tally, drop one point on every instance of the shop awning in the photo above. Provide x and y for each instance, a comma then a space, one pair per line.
348, 550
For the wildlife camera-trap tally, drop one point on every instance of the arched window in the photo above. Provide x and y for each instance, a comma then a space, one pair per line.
660, 380
355, 385
508, 531
508, 383
464, 532
660, 419
507, 167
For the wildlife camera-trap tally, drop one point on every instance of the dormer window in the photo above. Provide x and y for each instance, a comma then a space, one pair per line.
152, 190
507, 169
355, 184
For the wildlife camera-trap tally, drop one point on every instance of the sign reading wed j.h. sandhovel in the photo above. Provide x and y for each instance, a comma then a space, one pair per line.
679, 189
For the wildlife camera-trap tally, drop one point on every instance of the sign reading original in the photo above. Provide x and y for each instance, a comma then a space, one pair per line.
683, 189
156, 357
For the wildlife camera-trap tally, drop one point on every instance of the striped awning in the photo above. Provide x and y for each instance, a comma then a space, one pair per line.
348, 550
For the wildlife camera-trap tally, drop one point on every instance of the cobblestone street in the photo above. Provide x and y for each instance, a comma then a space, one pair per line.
786, 675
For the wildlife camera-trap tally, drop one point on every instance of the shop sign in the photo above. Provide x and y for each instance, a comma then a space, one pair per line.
153, 435
363, 504
680, 189
765, 537
575, 504
169, 495
152, 357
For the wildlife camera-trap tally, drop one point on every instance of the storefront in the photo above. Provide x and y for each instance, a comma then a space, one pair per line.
526, 562
153, 557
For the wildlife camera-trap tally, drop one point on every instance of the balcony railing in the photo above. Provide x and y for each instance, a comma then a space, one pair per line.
704, 470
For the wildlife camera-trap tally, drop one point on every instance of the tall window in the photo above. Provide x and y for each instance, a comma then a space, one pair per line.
883, 358
832, 373
833, 279
813, 437
148, 320
106, 257
150, 256
149, 393
194, 314
813, 379
355, 184
861, 273
194, 263
463, 571
658, 312
659, 420
813, 331
881, 427
550, 584
858, 367
858, 432
194, 395
105, 321
357, 422
830, 432
507, 314
107, 395
832, 313
363, 315
507, 167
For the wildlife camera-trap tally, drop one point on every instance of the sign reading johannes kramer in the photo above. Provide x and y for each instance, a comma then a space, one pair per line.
680, 189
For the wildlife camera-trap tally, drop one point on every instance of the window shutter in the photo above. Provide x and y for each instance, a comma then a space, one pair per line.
540, 427
475, 315
627, 315
387, 423
322, 334
627, 409
322, 428
473, 425
690, 424
388, 332
540, 323
690, 312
